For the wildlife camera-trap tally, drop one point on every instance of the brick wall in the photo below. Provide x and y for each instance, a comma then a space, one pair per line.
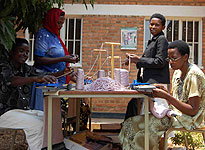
100, 29
149, 2
20, 34
203, 43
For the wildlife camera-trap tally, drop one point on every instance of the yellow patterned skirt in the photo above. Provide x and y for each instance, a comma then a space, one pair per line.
132, 132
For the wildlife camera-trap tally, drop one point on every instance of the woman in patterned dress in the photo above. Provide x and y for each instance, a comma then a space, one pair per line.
187, 100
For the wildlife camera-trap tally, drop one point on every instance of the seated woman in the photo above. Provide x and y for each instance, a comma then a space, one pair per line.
187, 100
15, 91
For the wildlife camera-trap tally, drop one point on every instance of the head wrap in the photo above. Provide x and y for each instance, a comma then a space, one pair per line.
50, 23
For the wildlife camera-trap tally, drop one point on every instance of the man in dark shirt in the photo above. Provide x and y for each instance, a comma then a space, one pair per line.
16, 78
153, 68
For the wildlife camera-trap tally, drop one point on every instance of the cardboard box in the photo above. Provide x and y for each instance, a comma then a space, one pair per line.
87, 140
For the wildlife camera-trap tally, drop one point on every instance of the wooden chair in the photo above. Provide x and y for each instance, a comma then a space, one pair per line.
202, 130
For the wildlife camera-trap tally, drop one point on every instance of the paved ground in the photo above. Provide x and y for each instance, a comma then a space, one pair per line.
6, 139
20, 143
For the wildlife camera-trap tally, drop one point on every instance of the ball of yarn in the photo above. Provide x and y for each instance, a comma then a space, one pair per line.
101, 73
124, 74
117, 75
80, 79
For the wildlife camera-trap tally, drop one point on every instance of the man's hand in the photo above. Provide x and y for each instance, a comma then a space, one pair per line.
45, 79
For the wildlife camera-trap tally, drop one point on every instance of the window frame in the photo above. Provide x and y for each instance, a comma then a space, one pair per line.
181, 19
62, 35
30, 60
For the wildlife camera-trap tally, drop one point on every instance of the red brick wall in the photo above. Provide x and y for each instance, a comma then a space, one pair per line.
20, 34
203, 43
114, 105
149, 2
100, 29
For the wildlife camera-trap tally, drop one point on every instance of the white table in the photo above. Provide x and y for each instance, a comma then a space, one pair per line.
94, 94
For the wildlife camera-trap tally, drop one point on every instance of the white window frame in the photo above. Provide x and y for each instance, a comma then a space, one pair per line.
180, 19
62, 35
30, 60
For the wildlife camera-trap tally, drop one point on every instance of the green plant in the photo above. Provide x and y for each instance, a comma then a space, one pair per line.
22, 14
195, 140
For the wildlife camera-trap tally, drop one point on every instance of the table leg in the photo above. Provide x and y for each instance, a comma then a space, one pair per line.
77, 114
146, 102
90, 114
50, 106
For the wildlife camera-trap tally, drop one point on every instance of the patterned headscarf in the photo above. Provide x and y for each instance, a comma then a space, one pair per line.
50, 23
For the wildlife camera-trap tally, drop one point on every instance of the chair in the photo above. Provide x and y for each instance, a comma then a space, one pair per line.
202, 130
13, 137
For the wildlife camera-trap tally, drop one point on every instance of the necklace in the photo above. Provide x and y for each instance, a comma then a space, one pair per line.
183, 75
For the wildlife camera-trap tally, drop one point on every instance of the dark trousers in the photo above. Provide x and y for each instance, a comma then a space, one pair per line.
133, 108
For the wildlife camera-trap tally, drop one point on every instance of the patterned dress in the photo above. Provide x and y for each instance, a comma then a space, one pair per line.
132, 132
15, 97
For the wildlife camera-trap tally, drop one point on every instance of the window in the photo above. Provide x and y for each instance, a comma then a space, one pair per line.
186, 29
31, 40
71, 34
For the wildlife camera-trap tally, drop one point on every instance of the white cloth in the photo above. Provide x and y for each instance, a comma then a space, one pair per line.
31, 121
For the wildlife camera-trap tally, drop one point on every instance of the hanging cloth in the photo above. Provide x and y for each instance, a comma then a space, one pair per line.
50, 23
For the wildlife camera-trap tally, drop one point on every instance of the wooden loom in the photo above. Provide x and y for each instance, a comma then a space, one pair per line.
112, 57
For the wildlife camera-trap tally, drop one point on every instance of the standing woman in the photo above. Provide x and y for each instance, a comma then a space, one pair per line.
51, 55
152, 66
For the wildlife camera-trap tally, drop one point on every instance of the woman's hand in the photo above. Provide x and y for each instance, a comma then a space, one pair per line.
160, 86
126, 62
71, 58
45, 79
133, 58
73, 76
68, 70
161, 93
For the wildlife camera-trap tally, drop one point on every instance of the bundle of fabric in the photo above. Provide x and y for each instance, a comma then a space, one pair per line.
105, 84
162, 110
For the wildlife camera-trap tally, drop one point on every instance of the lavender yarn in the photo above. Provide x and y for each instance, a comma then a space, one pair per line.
80, 79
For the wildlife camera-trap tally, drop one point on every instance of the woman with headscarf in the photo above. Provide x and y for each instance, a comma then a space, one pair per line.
51, 55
